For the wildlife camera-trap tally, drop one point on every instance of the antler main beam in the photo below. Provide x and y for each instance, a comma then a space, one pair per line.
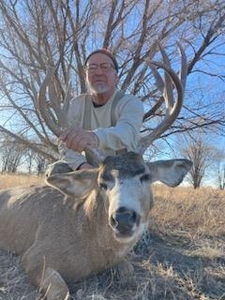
57, 126
173, 106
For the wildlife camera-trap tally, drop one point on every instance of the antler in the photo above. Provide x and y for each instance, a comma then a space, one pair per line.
57, 121
173, 106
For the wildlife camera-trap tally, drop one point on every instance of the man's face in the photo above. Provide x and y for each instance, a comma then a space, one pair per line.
101, 75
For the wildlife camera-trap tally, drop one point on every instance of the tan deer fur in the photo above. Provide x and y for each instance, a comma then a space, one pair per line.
65, 232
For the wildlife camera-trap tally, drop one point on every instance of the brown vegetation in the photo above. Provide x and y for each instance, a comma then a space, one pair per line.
8, 181
182, 256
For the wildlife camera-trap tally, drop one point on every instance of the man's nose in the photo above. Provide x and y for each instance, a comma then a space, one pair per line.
99, 71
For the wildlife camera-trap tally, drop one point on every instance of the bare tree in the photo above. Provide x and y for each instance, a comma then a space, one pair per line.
40, 163
33, 162
221, 176
201, 153
60, 34
11, 155
220, 169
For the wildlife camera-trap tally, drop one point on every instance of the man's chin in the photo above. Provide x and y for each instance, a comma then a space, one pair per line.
99, 89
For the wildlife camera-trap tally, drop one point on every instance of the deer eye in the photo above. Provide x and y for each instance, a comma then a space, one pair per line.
145, 177
103, 186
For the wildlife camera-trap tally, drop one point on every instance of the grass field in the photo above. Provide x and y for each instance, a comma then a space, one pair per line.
181, 257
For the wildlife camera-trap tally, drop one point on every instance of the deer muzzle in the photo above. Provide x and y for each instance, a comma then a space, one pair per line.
124, 221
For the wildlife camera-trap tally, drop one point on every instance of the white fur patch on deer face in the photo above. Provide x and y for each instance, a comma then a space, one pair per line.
126, 185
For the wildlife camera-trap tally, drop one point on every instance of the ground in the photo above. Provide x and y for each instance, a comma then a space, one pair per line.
182, 257
166, 267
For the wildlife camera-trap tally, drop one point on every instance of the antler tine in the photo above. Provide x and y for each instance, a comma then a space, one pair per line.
55, 104
68, 97
184, 65
95, 154
43, 106
158, 79
173, 107
168, 89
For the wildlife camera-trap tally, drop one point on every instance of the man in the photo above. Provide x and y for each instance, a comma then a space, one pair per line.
104, 118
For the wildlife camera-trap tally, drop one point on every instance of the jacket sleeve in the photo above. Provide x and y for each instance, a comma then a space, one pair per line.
126, 133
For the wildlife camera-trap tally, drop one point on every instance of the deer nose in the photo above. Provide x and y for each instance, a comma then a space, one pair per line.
123, 220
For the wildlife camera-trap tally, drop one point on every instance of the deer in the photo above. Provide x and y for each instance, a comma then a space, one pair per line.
85, 221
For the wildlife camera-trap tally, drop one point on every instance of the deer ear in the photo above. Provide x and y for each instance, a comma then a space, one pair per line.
169, 172
75, 184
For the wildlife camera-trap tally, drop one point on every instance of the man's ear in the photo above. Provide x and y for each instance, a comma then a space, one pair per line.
170, 172
75, 184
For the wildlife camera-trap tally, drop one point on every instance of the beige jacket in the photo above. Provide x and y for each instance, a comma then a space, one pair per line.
125, 133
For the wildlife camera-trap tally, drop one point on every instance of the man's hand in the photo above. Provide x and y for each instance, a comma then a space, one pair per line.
77, 138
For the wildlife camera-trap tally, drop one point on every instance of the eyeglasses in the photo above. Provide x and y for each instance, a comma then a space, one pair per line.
105, 67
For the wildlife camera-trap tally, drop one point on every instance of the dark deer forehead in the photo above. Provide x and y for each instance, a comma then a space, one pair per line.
127, 165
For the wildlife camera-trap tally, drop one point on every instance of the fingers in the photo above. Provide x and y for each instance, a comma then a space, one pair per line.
79, 143
77, 139
71, 139
68, 132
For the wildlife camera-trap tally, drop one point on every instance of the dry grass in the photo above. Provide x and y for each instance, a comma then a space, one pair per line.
196, 212
181, 258
13, 180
